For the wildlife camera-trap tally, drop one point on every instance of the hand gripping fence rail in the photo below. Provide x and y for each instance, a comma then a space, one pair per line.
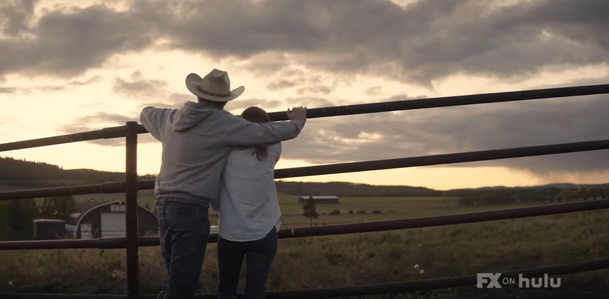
131, 185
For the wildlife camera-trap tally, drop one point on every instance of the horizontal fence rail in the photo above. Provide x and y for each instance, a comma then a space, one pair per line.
485, 98
11, 295
340, 229
102, 243
111, 187
105, 133
518, 152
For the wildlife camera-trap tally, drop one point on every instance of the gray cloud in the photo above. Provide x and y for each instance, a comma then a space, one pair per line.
14, 15
286, 77
375, 90
423, 41
84, 82
136, 87
68, 43
280, 84
47, 88
314, 89
9, 90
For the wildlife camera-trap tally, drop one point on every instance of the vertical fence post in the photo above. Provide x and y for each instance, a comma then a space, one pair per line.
131, 213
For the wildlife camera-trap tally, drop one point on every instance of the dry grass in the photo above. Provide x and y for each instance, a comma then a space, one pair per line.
357, 259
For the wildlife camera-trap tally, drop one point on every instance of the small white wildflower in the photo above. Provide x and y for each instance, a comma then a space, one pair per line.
10, 283
422, 271
416, 266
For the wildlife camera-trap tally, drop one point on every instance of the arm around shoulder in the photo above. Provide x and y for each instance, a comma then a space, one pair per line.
247, 133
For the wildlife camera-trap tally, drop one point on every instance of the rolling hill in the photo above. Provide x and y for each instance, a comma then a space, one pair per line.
21, 174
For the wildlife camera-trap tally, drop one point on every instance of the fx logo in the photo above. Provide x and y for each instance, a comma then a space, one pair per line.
490, 279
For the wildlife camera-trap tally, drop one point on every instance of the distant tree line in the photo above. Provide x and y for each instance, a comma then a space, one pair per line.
531, 195
16, 216
351, 189
20, 174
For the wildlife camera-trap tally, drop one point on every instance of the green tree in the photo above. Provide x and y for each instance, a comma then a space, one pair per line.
20, 214
57, 207
309, 210
4, 229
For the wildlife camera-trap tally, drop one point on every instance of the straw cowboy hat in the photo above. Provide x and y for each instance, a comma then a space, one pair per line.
215, 86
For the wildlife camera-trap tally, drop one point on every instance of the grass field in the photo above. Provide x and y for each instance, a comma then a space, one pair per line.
359, 259
360, 209
363, 209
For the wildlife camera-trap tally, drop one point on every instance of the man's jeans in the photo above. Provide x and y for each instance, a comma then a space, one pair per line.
259, 255
183, 232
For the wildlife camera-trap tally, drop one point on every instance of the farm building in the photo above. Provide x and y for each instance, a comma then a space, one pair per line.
319, 199
107, 219
49, 229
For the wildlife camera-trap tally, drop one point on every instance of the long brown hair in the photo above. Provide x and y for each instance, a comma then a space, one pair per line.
257, 115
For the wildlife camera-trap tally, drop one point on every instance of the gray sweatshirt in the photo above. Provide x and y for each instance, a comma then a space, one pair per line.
196, 141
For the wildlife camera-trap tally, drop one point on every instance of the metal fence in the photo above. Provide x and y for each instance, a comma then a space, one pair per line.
131, 242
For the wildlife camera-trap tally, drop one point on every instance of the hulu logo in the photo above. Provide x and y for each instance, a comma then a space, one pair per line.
538, 282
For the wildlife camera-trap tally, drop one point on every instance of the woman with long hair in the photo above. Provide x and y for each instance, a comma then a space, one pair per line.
249, 215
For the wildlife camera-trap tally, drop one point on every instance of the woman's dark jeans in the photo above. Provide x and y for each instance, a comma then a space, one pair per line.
258, 254
183, 232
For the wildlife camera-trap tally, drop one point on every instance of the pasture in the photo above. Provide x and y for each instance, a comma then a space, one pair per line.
360, 209
363, 209
359, 259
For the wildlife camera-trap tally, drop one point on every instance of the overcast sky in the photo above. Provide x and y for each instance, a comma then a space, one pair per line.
73, 66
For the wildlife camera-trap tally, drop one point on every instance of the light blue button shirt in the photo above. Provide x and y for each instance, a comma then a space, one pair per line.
248, 203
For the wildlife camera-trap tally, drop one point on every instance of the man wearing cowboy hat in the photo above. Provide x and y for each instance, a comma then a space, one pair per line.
196, 140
